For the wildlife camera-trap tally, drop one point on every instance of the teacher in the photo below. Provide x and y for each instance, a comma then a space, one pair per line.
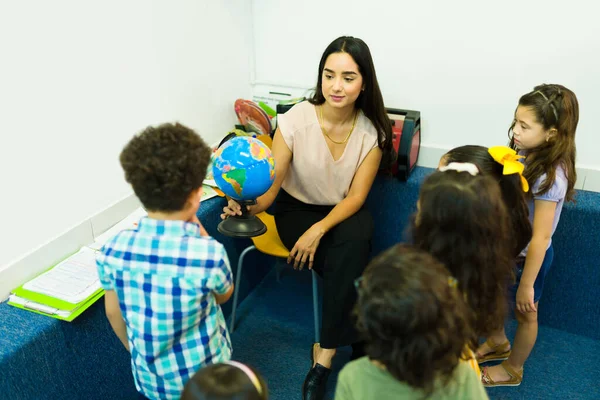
327, 153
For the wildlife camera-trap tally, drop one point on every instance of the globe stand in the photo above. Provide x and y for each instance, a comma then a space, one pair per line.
244, 225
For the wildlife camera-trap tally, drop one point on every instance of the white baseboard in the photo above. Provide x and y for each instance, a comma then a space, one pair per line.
38, 260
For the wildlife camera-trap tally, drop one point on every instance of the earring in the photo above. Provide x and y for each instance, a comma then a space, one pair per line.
547, 138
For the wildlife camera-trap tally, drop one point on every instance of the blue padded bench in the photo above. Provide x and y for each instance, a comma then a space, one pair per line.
571, 300
42, 358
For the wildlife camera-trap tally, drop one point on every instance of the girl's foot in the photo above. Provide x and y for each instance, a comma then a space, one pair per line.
491, 351
501, 375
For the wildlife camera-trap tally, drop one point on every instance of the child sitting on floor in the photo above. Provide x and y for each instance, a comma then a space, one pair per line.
229, 380
416, 324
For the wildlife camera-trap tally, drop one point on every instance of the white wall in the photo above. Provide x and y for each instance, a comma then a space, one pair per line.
463, 64
79, 78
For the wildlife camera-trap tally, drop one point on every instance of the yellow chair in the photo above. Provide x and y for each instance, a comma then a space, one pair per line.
270, 243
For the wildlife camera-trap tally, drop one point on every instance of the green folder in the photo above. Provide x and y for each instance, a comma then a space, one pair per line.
74, 308
75, 312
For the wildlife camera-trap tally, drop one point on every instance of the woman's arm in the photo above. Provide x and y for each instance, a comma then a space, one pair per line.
283, 157
543, 218
307, 244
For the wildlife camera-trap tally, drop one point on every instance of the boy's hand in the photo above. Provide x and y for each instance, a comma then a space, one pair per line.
525, 302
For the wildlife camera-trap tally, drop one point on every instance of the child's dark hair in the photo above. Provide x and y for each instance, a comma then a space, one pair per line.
463, 222
164, 164
226, 381
556, 107
412, 316
510, 187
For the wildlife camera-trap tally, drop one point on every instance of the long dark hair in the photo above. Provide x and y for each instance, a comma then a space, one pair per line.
463, 222
413, 319
510, 187
370, 100
556, 107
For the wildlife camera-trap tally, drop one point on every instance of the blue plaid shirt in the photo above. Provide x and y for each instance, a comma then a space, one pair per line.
165, 274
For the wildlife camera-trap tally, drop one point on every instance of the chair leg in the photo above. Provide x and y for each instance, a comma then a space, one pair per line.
315, 290
237, 286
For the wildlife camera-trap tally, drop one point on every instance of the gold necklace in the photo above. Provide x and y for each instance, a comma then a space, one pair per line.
325, 132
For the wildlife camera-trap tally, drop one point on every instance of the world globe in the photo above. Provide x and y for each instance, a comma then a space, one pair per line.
243, 168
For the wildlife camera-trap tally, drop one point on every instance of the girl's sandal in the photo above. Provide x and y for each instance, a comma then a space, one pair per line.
497, 354
515, 377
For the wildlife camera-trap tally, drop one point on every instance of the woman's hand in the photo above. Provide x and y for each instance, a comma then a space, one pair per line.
234, 208
305, 248
525, 302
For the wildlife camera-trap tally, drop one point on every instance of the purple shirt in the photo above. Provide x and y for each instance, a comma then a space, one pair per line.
556, 194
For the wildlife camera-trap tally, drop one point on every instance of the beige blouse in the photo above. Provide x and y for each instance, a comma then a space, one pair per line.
314, 177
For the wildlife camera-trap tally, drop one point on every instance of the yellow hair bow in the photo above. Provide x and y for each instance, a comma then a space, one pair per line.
509, 158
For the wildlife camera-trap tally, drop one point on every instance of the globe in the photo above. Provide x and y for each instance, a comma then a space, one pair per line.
243, 168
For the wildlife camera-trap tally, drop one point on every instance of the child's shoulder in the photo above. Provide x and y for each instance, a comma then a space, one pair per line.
558, 189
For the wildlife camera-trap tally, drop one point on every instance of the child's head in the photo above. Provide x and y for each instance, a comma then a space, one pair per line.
463, 222
228, 380
545, 123
510, 187
413, 318
166, 165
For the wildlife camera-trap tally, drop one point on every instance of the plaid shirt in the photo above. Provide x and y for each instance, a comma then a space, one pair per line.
165, 274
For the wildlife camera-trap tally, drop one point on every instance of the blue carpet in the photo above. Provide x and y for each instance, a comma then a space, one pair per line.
274, 333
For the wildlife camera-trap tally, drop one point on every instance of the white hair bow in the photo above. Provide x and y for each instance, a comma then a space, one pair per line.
461, 167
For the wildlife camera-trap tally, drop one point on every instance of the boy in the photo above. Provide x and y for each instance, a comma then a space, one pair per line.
165, 279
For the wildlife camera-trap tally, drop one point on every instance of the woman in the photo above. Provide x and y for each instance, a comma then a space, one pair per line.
327, 152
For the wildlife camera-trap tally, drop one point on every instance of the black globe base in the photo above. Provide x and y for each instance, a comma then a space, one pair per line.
243, 226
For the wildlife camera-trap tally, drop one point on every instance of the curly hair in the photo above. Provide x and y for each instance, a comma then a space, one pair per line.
224, 381
415, 322
510, 187
463, 222
164, 164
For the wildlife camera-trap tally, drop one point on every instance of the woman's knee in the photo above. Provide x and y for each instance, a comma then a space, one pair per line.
358, 227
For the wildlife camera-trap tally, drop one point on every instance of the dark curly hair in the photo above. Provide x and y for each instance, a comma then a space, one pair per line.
510, 187
463, 222
224, 381
164, 164
414, 320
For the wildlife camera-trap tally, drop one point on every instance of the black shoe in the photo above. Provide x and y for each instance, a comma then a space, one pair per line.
315, 383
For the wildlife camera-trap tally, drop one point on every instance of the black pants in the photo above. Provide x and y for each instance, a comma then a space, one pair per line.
341, 257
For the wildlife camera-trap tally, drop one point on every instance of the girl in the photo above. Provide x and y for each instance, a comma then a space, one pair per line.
499, 162
463, 222
416, 325
327, 152
228, 380
543, 131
